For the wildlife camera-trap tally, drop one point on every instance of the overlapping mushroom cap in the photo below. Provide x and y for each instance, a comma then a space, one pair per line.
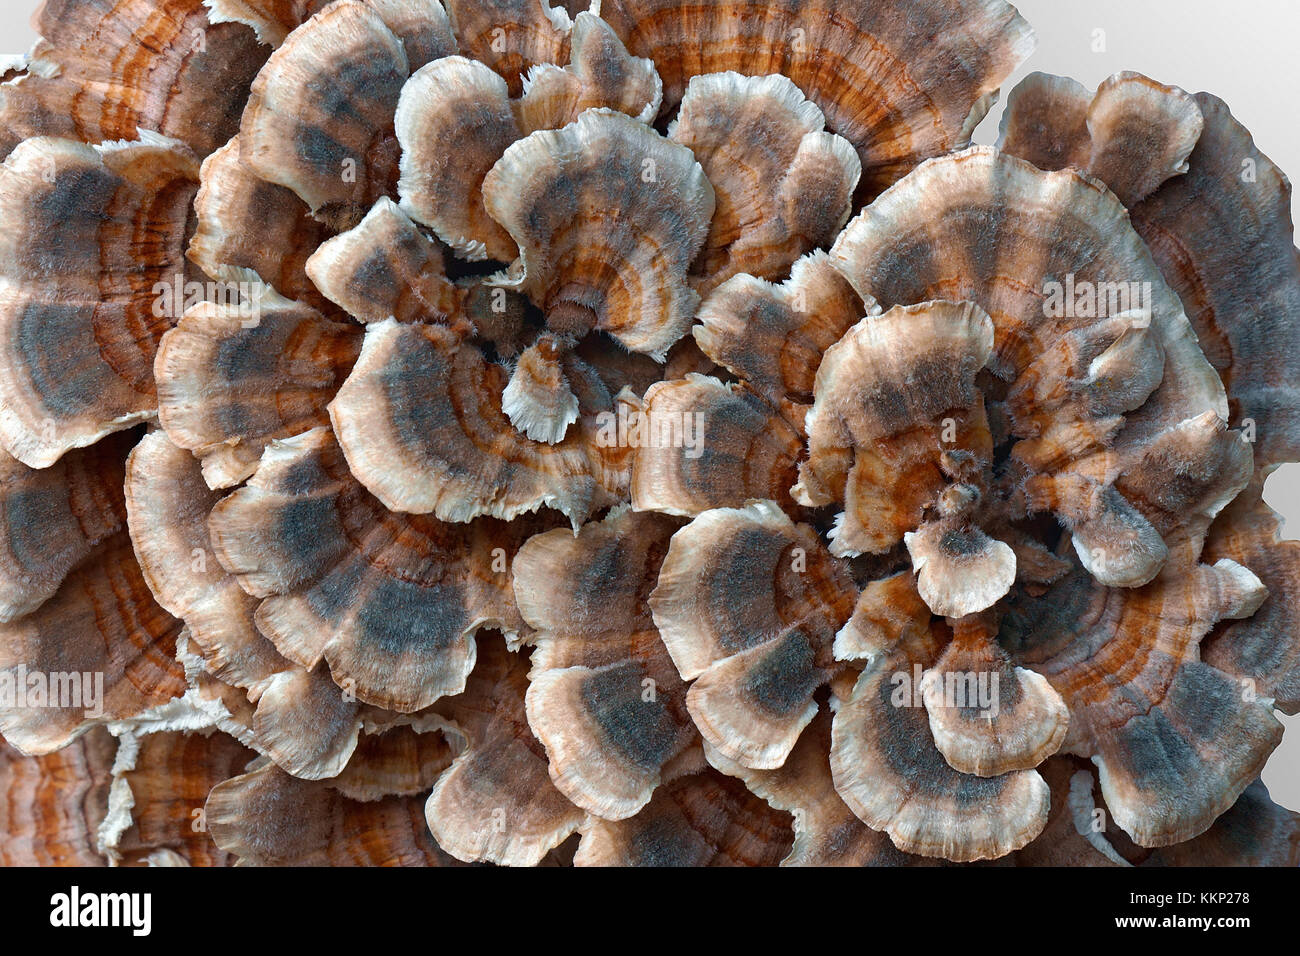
456, 433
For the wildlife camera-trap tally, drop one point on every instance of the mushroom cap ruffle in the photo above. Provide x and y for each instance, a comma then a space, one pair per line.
299, 718
330, 562
233, 378
384, 268
697, 819
1223, 238
456, 118
587, 269
748, 604
604, 697
267, 818
106, 70
416, 443
247, 229
92, 264
773, 335
783, 185
54, 517
102, 621
700, 444
497, 802
900, 82
1132, 134
334, 148
887, 769
1142, 704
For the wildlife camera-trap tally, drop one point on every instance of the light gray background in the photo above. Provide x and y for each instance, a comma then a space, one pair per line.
1241, 50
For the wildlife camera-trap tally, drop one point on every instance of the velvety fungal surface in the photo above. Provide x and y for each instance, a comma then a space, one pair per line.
451, 432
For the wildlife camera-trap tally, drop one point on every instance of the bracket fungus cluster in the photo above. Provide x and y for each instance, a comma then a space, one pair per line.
501, 432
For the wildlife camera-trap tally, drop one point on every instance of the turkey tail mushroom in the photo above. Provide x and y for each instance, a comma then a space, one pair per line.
108, 70
91, 266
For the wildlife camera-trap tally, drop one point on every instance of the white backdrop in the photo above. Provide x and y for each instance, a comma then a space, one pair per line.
1241, 50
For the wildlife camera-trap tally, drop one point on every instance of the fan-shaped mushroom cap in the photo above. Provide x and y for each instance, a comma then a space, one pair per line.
700, 819
901, 81
774, 336
826, 833
893, 396
1133, 134
1175, 740
421, 422
1187, 475
959, 571
100, 636
93, 238
160, 784
701, 444
1016, 224
320, 113
1070, 397
600, 73
109, 69
887, 769
333, 564
889, 612
454, 121
268, 818
384, 268
301, 720
783, 185
978, 224
52, 518
1046, 122
1255, 831
1262, 650
987, 716
603, 695
512, 36
497, 803
625, 275
748, 604
232, 378
51, 806
244, 223
1223, 238
1113, 540
538, 399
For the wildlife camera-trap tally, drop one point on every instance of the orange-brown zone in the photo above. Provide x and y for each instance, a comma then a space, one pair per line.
470, 399
869, 95
135, 64
272, 819
511, 36
704, 819
51, 806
